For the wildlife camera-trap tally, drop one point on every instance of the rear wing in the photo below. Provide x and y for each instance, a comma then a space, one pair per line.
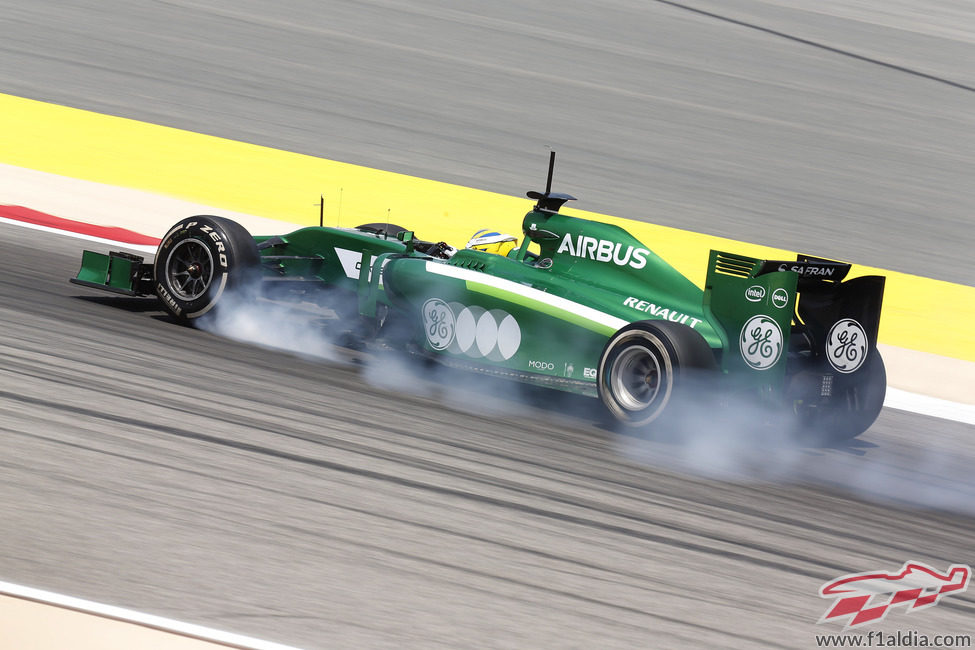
769, 308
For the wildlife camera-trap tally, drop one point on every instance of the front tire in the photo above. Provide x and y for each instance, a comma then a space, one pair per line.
200, 261
647, 366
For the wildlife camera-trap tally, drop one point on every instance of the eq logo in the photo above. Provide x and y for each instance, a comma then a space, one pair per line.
438, 323
760, 342
471, 331
864, 598
846, 345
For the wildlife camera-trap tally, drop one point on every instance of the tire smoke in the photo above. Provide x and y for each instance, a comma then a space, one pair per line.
906, 467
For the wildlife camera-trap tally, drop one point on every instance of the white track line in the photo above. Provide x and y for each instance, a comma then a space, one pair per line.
927, 405
77, 235
896, 398
138, 618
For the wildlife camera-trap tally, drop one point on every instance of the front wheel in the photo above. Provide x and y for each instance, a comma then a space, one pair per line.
646, 366
201, 260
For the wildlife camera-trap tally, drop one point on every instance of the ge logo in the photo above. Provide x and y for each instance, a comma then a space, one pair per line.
438, 323
760, 342
846, 345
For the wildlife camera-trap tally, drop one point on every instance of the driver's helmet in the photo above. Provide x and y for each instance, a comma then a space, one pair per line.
491, 241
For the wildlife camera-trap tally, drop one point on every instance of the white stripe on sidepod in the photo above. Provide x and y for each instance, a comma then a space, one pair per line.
543, 297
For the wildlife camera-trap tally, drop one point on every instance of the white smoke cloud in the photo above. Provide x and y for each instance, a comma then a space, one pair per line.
911, 467
311, 331
739, 444
732, 442
301, 329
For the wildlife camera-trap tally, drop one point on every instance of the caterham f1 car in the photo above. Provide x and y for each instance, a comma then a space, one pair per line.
579, 306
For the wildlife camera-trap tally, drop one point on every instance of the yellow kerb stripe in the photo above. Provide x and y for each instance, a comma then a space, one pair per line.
919, 313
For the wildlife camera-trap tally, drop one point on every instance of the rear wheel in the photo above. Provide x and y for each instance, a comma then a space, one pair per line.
856, 402
200, 261
648, 366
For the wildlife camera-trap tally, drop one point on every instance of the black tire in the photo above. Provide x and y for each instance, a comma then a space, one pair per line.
201, 260
854, 406
649, 366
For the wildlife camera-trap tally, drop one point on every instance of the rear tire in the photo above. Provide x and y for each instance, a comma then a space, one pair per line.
852, 409
647, 367
200, 261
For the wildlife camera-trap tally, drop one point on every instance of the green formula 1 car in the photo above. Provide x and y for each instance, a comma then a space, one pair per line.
579, 306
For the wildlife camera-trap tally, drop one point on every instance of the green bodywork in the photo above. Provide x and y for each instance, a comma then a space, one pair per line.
540, 317
563, 304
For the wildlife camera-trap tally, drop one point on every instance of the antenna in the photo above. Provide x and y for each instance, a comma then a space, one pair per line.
321, 212
549, 202
551, 170
338, 219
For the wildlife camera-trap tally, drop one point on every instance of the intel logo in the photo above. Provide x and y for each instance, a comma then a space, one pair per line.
755, 293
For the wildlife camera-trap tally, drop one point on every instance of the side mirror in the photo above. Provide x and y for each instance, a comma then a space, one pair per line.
406, 236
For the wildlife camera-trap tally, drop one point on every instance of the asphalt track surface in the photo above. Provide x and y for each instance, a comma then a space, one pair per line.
845, 129
327, 503
331, 503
